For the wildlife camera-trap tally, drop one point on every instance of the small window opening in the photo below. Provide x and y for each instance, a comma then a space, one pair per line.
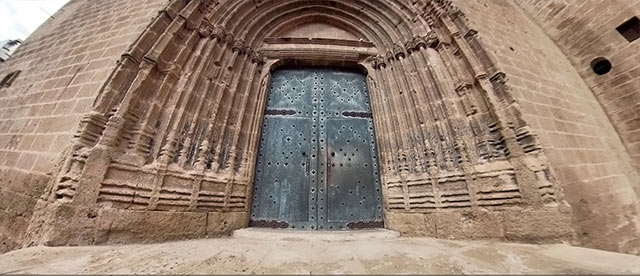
630, 29
601, 66
8, 79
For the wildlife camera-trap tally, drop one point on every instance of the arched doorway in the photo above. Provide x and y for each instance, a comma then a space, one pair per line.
174, 133
317, 165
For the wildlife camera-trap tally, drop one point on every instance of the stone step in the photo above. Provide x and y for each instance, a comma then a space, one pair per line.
310, 235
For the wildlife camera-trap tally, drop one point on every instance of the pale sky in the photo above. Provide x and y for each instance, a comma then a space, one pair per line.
19, 18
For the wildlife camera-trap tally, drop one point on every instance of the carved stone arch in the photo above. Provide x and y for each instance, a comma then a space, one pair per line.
378, 19
173, 134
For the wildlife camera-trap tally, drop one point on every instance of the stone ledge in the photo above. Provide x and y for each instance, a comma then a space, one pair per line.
81, 225
530, 225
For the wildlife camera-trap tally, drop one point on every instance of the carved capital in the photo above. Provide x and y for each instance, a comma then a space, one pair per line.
389, 56
248, 51
238, 46
378, 62
218, 33
432, 39
205, 29
409, 46
257, 57
398, 51
229, 38
415, 43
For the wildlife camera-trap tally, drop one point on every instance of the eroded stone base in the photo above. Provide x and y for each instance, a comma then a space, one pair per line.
78, 225
542, 225
18, 195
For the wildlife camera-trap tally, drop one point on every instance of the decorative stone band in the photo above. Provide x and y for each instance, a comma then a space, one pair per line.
176, 193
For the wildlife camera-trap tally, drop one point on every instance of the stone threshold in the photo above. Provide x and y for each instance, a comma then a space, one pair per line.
271, 234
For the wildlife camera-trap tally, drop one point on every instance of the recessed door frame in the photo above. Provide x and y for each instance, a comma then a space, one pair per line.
325, 58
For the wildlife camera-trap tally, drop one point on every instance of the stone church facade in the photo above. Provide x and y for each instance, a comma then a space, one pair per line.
145, 121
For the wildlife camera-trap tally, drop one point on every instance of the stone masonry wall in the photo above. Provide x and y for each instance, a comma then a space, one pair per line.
585, 30
584, 149
64, 64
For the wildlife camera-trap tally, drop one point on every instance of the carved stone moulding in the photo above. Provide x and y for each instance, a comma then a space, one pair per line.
179, 191
176, 128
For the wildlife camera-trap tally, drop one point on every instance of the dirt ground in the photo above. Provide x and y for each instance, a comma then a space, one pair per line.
265, 253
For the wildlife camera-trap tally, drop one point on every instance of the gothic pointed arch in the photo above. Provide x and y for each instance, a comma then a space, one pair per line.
175, 128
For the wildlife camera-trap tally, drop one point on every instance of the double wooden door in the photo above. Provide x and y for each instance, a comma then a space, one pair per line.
317, 167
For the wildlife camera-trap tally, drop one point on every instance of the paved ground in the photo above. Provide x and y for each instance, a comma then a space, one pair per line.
368, 255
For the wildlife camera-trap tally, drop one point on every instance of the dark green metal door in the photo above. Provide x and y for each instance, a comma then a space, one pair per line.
316, 165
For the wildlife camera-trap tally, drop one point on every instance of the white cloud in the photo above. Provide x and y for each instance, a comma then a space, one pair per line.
19, 18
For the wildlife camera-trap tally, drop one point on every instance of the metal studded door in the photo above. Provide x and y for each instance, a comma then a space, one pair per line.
317, 166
